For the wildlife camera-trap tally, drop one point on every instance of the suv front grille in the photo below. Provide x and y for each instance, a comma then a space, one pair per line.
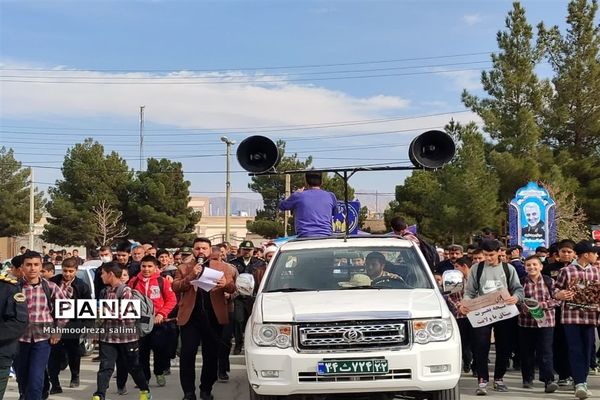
394, 374
352, 335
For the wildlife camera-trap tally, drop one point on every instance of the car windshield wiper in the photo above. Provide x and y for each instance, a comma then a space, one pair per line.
364, 287
291, 289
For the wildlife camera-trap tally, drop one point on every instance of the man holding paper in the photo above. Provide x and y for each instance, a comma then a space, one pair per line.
486, 277
202, 313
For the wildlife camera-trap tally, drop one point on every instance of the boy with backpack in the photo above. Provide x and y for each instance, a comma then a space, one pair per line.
34, 345
536, 334
151, 284
486, 277
119, 337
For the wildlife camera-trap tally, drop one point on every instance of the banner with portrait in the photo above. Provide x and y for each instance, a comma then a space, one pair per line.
532, 218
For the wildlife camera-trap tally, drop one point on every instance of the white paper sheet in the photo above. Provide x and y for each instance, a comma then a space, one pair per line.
208, 279
490, 314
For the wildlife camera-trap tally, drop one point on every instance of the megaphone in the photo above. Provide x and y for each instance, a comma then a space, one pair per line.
431, 150
257, 154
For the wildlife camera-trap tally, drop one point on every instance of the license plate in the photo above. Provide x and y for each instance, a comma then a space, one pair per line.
353, 367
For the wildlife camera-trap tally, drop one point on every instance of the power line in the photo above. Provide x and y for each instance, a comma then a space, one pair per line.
246, 129
340, 136
374, 193
211, 77
223, 155
227, 82
400, 161
335, 148
271, 67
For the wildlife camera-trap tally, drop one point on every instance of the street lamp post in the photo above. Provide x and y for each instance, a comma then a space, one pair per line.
229, 143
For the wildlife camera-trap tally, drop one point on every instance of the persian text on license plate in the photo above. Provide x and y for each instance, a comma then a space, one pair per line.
353, 367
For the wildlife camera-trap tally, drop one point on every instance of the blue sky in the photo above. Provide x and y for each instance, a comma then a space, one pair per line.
207, 69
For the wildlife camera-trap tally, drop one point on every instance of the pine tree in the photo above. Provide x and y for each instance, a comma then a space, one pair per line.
452, 204
516, 97
14, 196
573, 116
572, 119
469, 187
416, 200
89, 178
157, 209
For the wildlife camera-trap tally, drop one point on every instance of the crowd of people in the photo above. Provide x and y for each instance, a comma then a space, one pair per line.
184, 318
560, 343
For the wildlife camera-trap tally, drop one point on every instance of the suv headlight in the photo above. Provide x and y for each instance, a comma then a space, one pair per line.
432, 330
272, 335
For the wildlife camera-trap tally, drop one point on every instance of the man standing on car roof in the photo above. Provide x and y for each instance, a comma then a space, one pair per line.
313, 207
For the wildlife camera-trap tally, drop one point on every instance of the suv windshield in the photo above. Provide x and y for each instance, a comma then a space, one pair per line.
347, 269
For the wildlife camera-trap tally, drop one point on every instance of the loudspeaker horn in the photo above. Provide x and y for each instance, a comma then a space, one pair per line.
257, 154
431, 150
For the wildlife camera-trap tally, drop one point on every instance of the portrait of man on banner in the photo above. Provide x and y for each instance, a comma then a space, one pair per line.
533, 226
531, 218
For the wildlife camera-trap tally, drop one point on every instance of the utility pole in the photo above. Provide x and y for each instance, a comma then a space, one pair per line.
141, 137
31, 209
286, 214
229, 143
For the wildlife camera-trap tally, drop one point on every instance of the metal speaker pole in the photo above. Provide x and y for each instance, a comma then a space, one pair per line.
431, 150
257, 154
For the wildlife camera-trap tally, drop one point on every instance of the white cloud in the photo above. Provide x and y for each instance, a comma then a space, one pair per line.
471, 19
254, 103
234, 99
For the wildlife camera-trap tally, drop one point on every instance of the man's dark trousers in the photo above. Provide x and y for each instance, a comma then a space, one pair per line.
466, 338
158, 342
241, 312
65, 348
4, 373
561, 362
579, 341
536, 345
205, 329
503, 331
225, 346
108, 358
32, 359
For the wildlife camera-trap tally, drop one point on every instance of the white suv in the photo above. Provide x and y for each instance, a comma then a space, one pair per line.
325, 322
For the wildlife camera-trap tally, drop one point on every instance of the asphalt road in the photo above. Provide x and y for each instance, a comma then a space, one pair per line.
237, 387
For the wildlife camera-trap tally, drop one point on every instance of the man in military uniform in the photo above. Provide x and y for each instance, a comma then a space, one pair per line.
13, 318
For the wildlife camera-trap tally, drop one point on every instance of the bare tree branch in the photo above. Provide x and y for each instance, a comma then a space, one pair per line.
571, 220
108, 224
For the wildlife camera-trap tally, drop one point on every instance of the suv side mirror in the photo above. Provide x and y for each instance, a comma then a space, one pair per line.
452, 281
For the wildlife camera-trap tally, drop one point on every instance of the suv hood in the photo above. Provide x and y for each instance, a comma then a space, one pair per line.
343, 305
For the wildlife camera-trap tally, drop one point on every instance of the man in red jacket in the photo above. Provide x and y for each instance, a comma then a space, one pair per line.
158, 289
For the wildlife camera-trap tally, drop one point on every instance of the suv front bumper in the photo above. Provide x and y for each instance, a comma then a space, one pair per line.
409, 370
